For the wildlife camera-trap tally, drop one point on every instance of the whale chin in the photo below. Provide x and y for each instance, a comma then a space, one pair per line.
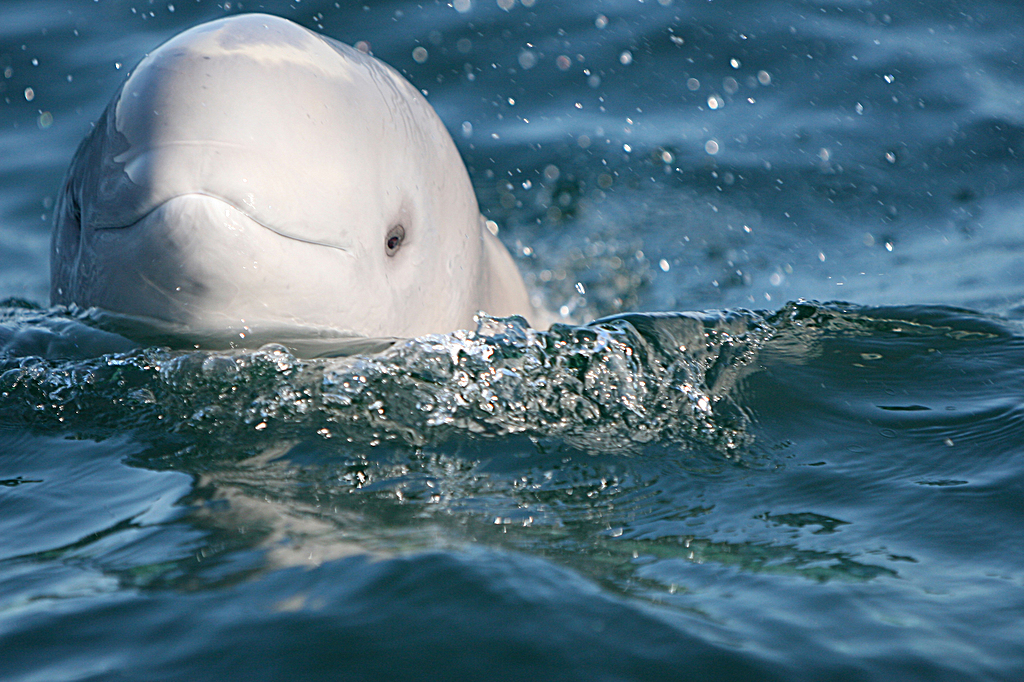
301, 340
198, 262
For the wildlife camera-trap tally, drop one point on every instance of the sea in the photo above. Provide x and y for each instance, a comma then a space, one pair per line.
776, 433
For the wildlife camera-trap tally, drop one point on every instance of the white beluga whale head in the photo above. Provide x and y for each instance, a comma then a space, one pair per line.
253, 175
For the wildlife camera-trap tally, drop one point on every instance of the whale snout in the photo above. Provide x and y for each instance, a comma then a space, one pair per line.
199, 261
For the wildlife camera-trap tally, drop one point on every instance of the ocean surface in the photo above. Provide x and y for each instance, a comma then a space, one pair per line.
778, 433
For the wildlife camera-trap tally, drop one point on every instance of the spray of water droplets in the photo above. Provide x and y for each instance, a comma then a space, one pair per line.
611, 386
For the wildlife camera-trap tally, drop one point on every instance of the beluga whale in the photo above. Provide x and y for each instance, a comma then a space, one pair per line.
252, 178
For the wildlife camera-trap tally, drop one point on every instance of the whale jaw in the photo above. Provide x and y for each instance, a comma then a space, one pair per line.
200, 262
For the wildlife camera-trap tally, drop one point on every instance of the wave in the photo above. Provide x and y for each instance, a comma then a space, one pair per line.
614, 385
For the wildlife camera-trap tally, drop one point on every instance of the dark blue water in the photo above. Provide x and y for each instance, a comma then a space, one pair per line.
778, 491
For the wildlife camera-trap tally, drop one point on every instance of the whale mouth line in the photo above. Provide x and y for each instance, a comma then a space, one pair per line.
229, 204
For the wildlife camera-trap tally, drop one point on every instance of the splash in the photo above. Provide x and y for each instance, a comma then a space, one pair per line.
612, 386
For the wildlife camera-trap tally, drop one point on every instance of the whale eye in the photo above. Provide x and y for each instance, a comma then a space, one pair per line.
393, 242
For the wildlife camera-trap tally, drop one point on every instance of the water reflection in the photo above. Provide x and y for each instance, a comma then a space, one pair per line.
625, 522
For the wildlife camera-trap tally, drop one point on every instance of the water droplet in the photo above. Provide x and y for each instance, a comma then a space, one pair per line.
601, 21
711, 147
462, 6
764, 78
527, 59
419, 54
664, 265
30, 94
626, 58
